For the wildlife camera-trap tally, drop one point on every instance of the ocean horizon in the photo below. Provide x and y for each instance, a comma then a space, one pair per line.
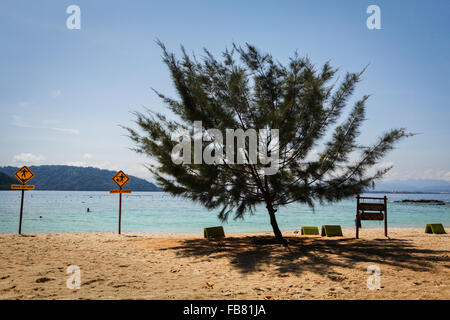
159, 212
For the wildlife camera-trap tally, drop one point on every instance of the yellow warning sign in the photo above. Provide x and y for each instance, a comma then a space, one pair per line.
22, 187
24, 174
120, 178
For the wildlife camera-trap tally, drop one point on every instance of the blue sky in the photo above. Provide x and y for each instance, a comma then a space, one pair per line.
64, 92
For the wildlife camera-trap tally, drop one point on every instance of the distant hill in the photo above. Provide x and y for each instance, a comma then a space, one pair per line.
414, 185
6, 181
52, 177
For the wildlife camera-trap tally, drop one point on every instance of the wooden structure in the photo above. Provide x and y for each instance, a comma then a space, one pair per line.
213, 232
371, 211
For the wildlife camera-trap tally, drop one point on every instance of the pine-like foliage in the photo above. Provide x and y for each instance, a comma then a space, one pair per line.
255, 92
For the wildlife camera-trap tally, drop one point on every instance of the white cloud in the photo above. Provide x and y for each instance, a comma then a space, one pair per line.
102, 165
87, 156
431, 173
426, 173
19, 123
77, 164
65, 130
50, 121
139, 171
24, 104
56, 93
28, 158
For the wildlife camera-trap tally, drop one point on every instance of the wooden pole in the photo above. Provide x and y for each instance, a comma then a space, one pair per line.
357, 217
120, 208
385, 217
21, 212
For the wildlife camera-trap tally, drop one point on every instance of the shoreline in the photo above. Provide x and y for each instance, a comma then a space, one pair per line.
413, 265
345, 231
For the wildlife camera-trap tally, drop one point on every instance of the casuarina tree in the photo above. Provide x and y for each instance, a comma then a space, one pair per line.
247, 90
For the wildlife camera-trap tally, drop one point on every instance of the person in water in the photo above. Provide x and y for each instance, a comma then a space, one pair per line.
88, 210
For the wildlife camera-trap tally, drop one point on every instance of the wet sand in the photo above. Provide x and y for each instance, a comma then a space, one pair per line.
413, 265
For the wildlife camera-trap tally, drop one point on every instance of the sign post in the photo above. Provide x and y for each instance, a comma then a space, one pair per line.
120, 210
21, 212
371, 211
120, 179
24, 175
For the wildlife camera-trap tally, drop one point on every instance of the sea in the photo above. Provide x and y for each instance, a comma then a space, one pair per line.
159, 212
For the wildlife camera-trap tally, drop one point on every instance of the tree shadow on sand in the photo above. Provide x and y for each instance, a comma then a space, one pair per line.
318, 255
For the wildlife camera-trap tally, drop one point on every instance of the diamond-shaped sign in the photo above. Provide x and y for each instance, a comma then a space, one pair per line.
120, 178
24, 174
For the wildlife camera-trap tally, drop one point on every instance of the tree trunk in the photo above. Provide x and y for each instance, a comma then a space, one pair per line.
273, 222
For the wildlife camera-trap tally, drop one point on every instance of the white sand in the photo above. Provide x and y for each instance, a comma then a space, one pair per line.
413, 265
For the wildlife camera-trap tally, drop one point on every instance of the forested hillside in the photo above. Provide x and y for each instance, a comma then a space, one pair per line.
59, 177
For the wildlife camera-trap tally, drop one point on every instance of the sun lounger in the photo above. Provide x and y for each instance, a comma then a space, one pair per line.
436, 228
331, 231
310, 231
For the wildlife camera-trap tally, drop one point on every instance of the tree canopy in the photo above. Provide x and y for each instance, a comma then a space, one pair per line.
247, 89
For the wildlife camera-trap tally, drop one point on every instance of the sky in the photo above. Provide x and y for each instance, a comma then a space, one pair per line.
64, 93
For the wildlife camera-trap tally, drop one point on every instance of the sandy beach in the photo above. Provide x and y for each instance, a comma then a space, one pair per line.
413, 265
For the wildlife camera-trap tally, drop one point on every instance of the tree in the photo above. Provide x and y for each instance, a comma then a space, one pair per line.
256, 92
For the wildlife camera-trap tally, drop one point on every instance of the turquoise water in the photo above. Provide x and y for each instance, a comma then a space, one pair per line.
157, 212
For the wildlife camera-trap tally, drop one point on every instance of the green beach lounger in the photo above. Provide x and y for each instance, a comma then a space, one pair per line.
331, 231
436, 228
310, 231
